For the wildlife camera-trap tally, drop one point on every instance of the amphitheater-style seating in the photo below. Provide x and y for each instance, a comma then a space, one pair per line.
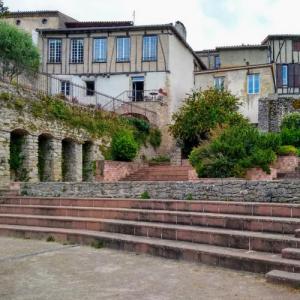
256, 237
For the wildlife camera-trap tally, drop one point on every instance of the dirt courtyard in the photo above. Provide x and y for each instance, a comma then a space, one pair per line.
32, 270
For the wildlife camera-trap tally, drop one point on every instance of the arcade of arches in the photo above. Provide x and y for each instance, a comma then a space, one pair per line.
53, 153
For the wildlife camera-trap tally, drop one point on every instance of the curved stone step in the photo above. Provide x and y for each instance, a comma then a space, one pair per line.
289, 278
291, 253
218, 256
229, 221
265, 242
223, 207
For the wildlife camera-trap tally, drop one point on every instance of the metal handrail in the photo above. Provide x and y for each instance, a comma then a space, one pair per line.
50, 85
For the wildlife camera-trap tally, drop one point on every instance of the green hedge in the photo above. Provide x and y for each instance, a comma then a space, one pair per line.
235, 150
287, 150
123, 146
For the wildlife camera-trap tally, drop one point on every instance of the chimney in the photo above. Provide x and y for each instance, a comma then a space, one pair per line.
181, 29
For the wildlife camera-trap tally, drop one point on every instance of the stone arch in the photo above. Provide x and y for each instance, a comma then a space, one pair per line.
88, 162
46, 157
136, 115
18, 155
68, 164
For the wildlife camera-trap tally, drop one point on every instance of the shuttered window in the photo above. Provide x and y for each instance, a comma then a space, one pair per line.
296, 45
288, 75
284, 73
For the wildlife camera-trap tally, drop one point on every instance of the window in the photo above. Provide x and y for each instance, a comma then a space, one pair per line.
44, 21
219, 83
54, 51
123, 49
18, 22
150, 48
100, 49
65, 88
90, 88
77, 51
284, 71
217, 62
253, 84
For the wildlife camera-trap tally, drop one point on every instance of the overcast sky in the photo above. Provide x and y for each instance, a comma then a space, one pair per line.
209, 23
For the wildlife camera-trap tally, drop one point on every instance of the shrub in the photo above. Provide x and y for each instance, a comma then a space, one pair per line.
290, 130
290, 137
155, 138
202, 112
287, 150
145, 195
291, 121
189, 197
234, 151
140, 124
123, 146
159, 159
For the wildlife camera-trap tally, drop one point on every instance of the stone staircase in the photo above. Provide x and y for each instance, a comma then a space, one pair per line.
160, 173
255, 237
290, 175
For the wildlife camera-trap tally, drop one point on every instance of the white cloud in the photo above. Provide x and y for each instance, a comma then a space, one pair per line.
209, 23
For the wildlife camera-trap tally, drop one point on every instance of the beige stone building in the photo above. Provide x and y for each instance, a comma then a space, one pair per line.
151, 66
245, 70
31, 20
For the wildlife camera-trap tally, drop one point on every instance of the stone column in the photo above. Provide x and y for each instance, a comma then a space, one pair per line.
57, 158
4, 159
30, 153
77, 162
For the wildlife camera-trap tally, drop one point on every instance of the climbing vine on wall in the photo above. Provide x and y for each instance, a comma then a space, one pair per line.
17, 157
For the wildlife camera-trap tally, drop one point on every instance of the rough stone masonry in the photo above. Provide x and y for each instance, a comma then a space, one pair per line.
51, 135
228, 190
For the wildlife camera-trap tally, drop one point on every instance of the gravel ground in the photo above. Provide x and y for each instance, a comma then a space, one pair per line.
32, 270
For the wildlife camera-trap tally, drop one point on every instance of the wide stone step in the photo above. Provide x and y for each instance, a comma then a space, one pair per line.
229, 221
283, 277
273, 243
218, 256
291, 253
289, 175
222, 207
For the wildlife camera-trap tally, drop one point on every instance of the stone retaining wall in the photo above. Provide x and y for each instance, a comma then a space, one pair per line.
231, 190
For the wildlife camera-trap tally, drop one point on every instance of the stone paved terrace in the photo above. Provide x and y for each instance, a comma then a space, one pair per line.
40, 270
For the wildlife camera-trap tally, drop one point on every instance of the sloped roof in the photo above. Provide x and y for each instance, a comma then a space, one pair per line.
280, 36
94, 24
37, 13
242, 47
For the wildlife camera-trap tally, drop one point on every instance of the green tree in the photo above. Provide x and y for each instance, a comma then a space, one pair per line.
202, 112
3, 9
18, 55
